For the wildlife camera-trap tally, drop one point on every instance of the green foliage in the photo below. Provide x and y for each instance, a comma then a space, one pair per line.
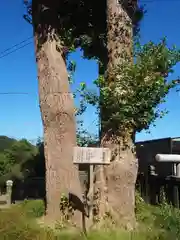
65, 207
6, 142
5, 165
20, 151
33, 208
145, 213
13, 159
78, 24
81, 23
164, 220
85, 139
66, 211
35, 166
169, 220
131, 94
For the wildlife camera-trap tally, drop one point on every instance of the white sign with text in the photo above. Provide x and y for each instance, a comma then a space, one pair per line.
89, 155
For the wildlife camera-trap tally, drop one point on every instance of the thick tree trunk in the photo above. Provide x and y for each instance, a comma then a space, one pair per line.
119, 33
56, 104
57, 111
115, 184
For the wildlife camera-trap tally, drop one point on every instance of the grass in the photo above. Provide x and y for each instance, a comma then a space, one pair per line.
163, 222
154, 223
15, 224
32, 208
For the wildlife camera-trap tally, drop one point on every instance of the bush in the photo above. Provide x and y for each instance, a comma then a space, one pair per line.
163, 220
145, 213
168, 219
33, 208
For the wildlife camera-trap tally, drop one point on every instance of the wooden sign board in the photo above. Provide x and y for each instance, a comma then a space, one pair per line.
89, 155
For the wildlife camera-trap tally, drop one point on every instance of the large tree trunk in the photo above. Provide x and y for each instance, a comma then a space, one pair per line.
57, 111
119, 32
115, 184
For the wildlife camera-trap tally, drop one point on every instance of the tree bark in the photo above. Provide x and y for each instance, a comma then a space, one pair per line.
115, 184
57, 111
119, 33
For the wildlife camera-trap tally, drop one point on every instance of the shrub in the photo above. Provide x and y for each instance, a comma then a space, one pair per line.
163, 220
168, 219
33, 208
145, 213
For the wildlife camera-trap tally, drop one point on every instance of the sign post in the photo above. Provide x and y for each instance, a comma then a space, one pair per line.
91, 197
91, 156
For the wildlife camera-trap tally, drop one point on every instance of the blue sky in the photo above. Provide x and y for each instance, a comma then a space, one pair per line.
20, 114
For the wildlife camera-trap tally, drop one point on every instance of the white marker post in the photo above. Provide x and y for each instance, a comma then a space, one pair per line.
91, 156
9, 184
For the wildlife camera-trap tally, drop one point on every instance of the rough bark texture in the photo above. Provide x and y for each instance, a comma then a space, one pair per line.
119, 33
115, 184
57, 111
56, 104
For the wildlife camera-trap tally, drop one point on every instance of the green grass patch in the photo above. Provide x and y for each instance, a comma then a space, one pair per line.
15, 224
154, 223
32, 208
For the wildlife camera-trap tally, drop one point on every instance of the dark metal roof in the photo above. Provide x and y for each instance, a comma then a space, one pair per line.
153, 140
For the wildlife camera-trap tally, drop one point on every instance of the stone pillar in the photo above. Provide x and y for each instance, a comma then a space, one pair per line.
9, 184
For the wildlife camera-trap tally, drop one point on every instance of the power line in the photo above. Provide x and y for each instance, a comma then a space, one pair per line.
13, 93
92, 123
15, 45
8, 53
28, 93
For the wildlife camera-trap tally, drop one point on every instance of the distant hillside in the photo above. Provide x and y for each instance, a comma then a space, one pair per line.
6, 142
